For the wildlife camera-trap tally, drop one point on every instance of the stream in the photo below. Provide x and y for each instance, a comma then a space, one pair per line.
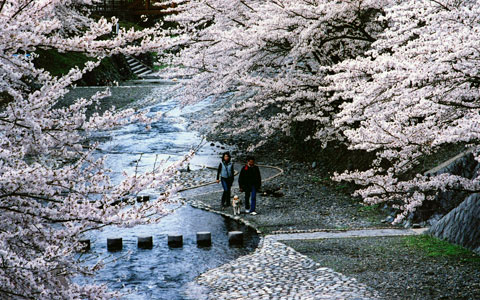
160, 272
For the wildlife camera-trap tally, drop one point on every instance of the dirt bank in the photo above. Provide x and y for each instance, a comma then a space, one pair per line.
394, 266
401, 267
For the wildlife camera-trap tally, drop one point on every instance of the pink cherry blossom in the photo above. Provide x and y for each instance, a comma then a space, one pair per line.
52, 188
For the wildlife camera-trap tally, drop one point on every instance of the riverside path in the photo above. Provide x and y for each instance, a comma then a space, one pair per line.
275, 271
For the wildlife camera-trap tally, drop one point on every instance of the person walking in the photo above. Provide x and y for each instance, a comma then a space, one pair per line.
250, 182
225, 175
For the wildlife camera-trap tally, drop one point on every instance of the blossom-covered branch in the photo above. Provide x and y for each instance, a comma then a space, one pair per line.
271, 58
52, 187
415, 91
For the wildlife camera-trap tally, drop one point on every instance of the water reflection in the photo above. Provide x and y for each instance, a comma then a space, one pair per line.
161, 272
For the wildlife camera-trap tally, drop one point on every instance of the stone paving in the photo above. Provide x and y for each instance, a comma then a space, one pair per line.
276, 272
333, 234
196, 178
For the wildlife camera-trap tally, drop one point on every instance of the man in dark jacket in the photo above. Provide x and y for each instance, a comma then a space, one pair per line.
250, 182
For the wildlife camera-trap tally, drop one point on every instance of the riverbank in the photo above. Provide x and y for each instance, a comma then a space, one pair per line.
123, 96
388, 267
414, 267
309, 202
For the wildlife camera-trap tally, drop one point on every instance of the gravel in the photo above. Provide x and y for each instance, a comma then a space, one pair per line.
311, 202
307, 204
396, 270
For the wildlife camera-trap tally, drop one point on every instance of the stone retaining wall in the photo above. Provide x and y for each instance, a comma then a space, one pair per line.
462, 165
460, 223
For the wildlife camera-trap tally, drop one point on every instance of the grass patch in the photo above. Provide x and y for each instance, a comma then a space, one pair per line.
321, 180
369, 208
434, 247
58, 64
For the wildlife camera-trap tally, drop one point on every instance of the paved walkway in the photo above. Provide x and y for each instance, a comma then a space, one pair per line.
275, 271
345, 234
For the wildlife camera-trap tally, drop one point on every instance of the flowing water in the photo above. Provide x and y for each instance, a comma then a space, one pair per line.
161, 272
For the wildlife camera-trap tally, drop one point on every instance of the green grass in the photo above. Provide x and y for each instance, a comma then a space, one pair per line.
434, 247
369, 208
341, 187
59, 63
321, 180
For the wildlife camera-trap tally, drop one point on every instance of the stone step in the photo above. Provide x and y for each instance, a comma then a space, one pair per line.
134, 63
153, 80
138, 67
141, 70
145, 73
155, 76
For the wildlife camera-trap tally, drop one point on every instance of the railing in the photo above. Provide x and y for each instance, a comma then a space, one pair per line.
135, 7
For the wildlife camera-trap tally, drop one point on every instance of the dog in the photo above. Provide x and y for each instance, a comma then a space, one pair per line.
236, 204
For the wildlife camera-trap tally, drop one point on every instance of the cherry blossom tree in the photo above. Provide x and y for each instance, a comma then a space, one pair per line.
397, 78
269, 59
414, 92
53, 188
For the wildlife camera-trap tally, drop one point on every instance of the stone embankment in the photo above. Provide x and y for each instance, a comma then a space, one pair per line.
461, 225
457, 214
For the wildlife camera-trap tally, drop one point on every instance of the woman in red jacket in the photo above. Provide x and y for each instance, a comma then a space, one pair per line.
250, 182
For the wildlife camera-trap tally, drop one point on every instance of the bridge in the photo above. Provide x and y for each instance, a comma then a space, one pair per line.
134, 7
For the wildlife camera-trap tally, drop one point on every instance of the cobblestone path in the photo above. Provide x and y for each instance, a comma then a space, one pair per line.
277, 272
